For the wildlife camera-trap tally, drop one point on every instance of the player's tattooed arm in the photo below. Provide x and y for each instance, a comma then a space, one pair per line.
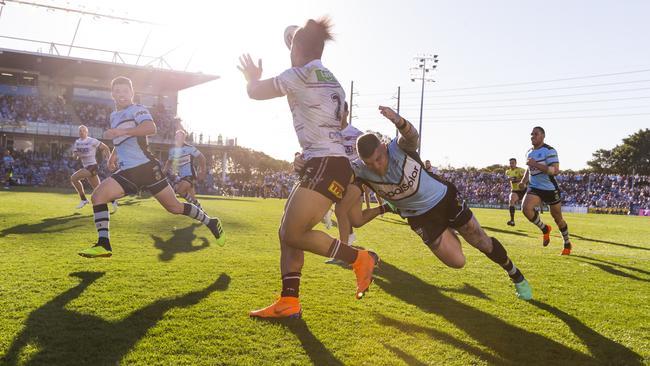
410, 136
524, 179
106, 152
202, 167
112, 161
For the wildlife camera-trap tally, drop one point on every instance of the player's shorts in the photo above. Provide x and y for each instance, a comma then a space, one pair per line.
450, 212
147, 176
92, 169
551, 197
520, 194
190, 179
328, 176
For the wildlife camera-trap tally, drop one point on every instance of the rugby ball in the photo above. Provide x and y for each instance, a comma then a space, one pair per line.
289, 32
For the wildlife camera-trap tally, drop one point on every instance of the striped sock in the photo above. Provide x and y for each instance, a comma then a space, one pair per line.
537, 221
191, 200
342, 251
565, 236
291, 284
102, 218
499, 255
195, 213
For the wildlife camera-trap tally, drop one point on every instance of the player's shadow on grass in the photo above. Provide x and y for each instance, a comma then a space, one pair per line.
609, 267
391, 220
502, 231
511, 344
63, 336
608, 242
49, 225
407, 358
217, 198
180, 242
315, 349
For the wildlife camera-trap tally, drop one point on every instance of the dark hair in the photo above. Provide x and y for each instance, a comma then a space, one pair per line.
541, 129
511, 159
312, 37
122, 80
367, 144
346, 108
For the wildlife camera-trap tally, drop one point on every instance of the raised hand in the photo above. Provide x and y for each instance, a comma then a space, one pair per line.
389, 113
248, 68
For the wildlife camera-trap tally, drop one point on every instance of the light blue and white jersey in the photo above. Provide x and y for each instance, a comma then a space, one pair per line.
182, 159
544, 155
131, 151
8, 161
406, 184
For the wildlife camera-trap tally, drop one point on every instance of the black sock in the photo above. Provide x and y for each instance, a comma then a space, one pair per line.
565, 236
291, 284
82, 196
342, 251
195, 213
100, 213
512, 213
499, 255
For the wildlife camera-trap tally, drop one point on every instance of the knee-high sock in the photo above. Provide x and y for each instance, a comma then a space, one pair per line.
101, 215
195, 213
565, 236
499, 255
538, 222
512, 213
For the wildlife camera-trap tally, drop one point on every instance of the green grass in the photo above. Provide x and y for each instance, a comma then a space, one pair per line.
169, 296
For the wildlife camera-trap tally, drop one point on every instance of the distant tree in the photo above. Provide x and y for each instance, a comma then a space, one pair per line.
633, 156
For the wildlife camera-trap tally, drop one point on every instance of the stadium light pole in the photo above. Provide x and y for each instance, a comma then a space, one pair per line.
422, 62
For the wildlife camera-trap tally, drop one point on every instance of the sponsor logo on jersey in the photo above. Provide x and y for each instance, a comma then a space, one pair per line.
325, 76
408, 186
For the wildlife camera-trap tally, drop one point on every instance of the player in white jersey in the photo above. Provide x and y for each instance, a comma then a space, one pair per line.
316, 100
85, 149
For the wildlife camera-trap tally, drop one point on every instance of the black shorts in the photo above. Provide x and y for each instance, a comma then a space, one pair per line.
190, 179
549, 197
92, 169
328, 176
451, 211
520, 194
146, 176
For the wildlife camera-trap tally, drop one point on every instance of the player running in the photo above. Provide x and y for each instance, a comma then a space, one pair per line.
517, 190
543, 166
138, 170
85, 149
434, 208
316, 100
181, 161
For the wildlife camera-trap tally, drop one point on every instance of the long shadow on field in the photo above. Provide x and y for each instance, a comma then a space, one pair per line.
65, 337
611, 270
603, 349
315, 349
438, 336
608, 242
49, 225
612, 263
407, 358
180, 242
512, 344
215, 198
502, 231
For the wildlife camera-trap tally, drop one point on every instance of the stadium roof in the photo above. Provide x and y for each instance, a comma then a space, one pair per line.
70, 67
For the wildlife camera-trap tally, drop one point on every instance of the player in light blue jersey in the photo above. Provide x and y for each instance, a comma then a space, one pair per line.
181, 162
433, 207
137, 170
8, 165
543, 165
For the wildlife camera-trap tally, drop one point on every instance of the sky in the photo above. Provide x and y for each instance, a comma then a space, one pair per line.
578, 68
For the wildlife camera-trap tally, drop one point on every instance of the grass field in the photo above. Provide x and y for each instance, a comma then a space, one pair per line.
169, 296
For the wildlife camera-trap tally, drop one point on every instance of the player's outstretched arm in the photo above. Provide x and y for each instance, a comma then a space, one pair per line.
410, 137
257, 89
203, 166
106, 152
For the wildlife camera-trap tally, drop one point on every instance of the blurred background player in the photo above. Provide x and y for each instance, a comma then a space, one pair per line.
543, 165
433, 207
8, 165
138, 170
316, 100
517, 190
85, 149
181, 161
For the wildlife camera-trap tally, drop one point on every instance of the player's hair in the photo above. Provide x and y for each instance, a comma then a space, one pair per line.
181, 131
541, 129
122, 80
312, 37
84, 126
346, 108
511, 159
367, 144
